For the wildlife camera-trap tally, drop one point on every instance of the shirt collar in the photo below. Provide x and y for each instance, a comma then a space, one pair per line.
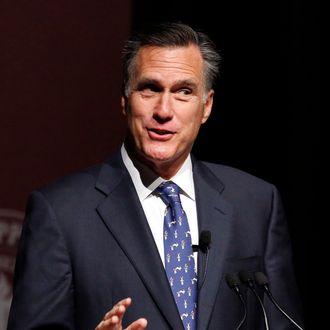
183, 178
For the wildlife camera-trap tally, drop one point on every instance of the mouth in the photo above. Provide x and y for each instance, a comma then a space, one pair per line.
160, 134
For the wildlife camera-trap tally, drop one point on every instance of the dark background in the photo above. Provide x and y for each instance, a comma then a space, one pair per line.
60, 85
265, 118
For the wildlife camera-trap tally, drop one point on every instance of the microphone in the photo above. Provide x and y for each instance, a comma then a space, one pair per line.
204, 242
204, 246
262, 280
247, 278
234, 282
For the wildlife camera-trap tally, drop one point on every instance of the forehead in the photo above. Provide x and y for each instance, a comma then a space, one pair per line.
184, 61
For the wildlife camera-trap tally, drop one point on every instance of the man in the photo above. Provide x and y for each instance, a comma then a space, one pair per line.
94, 239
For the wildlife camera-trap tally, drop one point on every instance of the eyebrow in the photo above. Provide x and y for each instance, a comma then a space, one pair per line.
146, 81
149, 81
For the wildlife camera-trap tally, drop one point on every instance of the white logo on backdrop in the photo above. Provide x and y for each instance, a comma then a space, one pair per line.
10, 231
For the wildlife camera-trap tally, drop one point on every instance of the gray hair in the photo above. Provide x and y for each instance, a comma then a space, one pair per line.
171, 35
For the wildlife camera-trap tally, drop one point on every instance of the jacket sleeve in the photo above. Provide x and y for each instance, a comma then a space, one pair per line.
43, 292
279, 268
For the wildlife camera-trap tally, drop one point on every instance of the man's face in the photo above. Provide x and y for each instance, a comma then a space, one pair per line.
166, 104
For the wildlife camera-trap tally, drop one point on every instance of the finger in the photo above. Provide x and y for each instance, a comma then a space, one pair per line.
118, 309
113, 319
139, 324
109, 324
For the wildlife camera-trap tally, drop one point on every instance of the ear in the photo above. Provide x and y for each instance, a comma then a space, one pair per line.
123, 105
208, 106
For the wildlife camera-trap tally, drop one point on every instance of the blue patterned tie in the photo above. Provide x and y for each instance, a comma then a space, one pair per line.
179, 260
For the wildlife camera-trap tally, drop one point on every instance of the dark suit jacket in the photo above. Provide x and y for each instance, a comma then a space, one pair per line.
86, 244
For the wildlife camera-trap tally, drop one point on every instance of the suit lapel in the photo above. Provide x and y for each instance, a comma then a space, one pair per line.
124, 217
127, 223
214, 215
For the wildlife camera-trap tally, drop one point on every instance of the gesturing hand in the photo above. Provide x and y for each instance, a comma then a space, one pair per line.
113, 319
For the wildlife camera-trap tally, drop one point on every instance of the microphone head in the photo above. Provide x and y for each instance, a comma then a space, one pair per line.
261, 278
232, 280
204, 240
246, 276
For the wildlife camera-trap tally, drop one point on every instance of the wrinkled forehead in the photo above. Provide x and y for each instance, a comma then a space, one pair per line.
186, 61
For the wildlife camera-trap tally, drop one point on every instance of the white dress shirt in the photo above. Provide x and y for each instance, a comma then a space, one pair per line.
154, 207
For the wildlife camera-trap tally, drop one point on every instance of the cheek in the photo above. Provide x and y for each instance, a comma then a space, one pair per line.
136, 122
194, 119
193, 124
140, 117
138, 109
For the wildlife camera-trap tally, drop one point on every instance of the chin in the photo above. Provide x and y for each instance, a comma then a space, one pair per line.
158, 155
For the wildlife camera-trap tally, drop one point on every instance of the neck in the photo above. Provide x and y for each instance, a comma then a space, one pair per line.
149, 169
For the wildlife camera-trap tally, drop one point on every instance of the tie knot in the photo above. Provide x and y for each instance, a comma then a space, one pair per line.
169, 192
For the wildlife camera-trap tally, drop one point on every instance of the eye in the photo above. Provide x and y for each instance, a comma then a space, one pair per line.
185, 91
183, 94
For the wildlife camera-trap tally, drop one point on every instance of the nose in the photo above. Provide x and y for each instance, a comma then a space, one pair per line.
163, 107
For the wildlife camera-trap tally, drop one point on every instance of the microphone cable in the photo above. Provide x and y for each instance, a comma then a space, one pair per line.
262, 280
204, 246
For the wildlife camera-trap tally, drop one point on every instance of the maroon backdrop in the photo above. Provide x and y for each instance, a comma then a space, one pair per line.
60, 88
60, 81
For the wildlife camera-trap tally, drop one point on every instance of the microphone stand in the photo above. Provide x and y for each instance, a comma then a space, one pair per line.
246, 278
234, 282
